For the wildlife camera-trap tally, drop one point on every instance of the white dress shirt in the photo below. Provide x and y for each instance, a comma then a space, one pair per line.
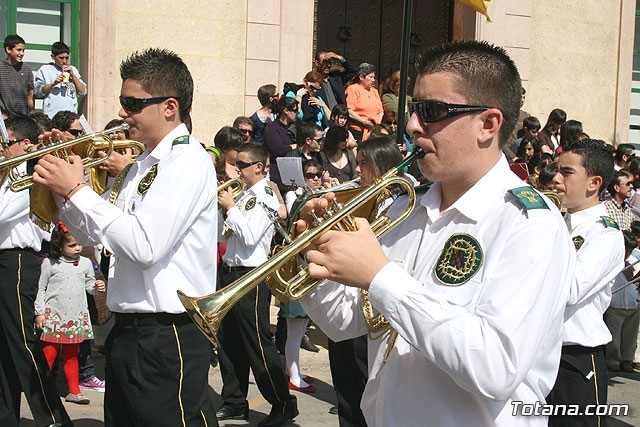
16, 228
627, 298
250, 227
463, 353
599, 259
162, 240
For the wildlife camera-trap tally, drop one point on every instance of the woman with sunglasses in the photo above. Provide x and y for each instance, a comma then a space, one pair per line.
278, 138
363, 101
312, 106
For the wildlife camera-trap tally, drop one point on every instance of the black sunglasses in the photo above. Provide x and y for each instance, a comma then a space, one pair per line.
134, 105
14, 141
431, 111
246, 131
312, 175
75, 132
241, 165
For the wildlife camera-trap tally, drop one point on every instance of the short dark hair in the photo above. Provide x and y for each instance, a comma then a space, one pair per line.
486, 75
116, 122
570, 131
615, 180
339, 110
635, 228
265, 93
58, 239
42, 120
228, 138
257, 152
307, 130
381, 153
23, 127
242, 119
12, 40
594, 158
63, 119
161, 72
630, 242
365, 69
531, 123
286, 102
623, 150
59, 47
311, 164
547, 174
333, 137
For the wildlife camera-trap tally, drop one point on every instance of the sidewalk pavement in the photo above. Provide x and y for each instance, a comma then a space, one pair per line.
314, 407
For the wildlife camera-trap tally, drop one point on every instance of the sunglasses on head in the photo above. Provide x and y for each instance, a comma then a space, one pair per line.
431, 111
75, 132
241, 165
133, 105
312, 175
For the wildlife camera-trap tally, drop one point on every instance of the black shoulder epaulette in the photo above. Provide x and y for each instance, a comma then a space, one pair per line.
609, 222
529, 198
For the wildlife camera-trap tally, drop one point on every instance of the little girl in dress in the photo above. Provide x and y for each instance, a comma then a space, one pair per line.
61, 305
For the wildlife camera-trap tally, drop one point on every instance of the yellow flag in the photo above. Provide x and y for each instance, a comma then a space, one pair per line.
480, 5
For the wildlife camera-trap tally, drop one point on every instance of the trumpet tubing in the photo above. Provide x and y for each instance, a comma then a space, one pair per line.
208, 311
236, 184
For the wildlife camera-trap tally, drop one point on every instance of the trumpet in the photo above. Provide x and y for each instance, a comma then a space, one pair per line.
236, 184
20, 183
98, 178
208, 311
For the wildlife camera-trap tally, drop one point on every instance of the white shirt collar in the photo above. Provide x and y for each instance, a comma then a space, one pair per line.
165, 144
573, 220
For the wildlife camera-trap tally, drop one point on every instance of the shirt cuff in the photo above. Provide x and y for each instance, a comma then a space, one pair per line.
232, 216
388, 288
83, 199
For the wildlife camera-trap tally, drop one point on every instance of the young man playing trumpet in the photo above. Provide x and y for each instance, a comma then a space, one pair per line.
161, 233
478, 314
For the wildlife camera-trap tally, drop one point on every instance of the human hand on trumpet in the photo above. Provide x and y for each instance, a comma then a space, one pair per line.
116, 162
350, 258
225, 199
56, 173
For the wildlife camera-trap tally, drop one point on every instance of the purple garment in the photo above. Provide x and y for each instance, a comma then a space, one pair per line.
278, 141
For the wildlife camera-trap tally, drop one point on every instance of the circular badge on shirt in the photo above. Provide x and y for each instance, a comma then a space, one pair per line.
460, 260
250, 204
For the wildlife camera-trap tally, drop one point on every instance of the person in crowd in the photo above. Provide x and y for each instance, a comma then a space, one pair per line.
336, 72
161, 231
530, 127
267, 95
43, 121
550, 134
340, 117
278, 139
363, 102
529, 147
59, 83
228, 140
309, 142
518, 131
546, 176
536, 163
61, 307
390, 91
314, 178
378, 131
443, 278
245, 341
336, 158
584, 170
24, 365
620, 188
16, 79
624, 154
623, 317
67, 121
245, 125
569, 132
117, 161
312, 107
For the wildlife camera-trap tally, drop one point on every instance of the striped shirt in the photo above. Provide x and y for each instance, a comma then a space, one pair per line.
15, 83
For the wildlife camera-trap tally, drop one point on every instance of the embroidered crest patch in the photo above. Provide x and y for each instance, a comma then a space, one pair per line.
268, 190
460, 260
529, 198
578, 241
609, 222
250, 204
147, 180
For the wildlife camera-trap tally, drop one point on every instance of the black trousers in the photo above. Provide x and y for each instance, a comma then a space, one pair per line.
157, 372
245, 342
348, 362
24, 367
582, 380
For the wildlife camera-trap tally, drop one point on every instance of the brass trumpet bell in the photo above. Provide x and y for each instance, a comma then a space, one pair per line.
97, 178
208, 311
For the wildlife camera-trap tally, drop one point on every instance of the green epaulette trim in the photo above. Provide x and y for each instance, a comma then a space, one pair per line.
180, 140
609, 222
529, 198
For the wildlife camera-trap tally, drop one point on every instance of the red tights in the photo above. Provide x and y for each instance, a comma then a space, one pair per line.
70, 356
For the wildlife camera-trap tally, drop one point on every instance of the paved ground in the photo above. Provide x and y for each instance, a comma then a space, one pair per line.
314, 408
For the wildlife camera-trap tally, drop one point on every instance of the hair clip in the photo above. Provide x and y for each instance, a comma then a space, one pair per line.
62, 226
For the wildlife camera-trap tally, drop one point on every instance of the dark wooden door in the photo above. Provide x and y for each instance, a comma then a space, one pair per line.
371, 30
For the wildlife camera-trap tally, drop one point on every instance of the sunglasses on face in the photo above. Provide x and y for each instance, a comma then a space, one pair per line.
241, 165
14, 141
312, 175
75, 132
431, 111
134, 105
246, 131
